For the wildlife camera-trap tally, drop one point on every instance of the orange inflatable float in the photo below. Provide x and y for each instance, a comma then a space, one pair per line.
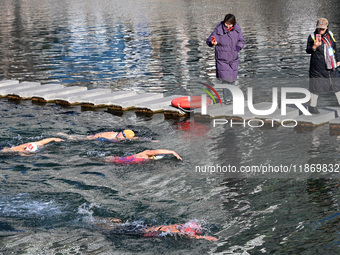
189, 102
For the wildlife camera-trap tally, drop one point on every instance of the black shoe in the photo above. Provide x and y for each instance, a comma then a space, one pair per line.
314, 110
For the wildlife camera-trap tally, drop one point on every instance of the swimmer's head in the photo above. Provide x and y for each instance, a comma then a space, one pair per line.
128, 134
158, 157
32, 147
191, 228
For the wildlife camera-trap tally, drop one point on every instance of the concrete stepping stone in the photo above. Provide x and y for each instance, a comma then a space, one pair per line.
15, 88
315, 120
171, 112
50, 96
226, 111
336, 110
156, 105
214, 111
291, 114
247, 113
129, 103
335, 123
8, 82
31, 92
104, 100
79, 97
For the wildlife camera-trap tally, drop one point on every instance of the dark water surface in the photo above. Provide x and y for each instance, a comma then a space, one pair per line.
48, 201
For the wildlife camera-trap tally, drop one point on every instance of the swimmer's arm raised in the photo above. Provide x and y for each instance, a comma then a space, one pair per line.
150, 153
47, 140
209, 238
106, 135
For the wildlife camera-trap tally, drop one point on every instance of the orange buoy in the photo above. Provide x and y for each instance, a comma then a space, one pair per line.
189, 102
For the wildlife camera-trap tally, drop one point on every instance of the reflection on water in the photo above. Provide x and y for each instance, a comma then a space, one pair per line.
158, 46
150, 46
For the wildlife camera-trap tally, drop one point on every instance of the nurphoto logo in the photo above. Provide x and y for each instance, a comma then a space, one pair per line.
239, 100
239, 105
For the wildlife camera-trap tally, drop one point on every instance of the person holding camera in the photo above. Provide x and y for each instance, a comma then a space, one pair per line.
325, 58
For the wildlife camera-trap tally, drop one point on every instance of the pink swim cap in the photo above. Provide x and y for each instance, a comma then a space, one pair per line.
191, 228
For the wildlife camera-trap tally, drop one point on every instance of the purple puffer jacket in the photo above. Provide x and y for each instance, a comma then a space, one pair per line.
229, 43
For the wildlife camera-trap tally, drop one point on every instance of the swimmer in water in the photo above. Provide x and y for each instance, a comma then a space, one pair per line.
142, 157
32, 146
190, 229
124, 135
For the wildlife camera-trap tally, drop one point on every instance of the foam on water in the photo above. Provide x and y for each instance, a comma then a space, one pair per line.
22, 205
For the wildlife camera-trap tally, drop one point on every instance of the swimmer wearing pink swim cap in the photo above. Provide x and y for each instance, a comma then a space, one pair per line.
190, 229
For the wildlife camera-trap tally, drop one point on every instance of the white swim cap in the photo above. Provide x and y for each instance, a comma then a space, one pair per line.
158, 157
32, 147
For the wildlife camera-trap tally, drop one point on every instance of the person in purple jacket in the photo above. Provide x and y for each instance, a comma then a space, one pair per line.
228, 41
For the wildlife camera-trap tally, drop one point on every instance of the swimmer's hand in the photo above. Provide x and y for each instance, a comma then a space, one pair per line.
114, 220
177, 156
209, 238
58, 140
48, 140
150, 153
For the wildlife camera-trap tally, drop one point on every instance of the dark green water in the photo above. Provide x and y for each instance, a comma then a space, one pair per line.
48, 201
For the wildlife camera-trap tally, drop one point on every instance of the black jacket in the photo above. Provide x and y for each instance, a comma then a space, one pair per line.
321, 78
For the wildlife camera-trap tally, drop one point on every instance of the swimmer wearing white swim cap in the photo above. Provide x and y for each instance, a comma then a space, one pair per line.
142, 156
32, 146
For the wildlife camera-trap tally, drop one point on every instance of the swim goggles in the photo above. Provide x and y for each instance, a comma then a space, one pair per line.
124, 134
